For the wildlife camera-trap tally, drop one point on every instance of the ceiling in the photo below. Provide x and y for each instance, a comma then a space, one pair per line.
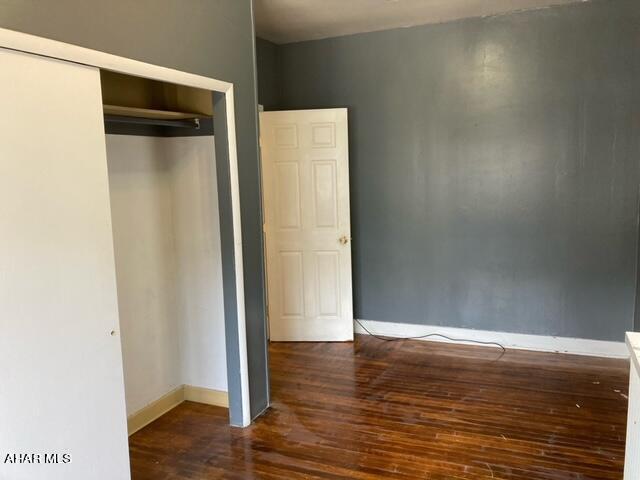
287, 21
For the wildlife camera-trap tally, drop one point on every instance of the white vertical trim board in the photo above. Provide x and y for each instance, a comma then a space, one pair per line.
632, 449
520, 341
237, 240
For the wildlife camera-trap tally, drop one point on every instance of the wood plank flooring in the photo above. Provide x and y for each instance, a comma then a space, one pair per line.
405, 410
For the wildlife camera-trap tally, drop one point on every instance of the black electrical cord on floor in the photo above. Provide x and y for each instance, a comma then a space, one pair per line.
395, 339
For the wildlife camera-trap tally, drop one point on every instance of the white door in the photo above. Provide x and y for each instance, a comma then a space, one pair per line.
305, 177
61, 382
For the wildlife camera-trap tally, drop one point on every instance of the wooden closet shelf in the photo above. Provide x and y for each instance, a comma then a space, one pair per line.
149, 113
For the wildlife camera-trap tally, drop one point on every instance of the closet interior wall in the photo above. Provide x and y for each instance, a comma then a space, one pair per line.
168, 264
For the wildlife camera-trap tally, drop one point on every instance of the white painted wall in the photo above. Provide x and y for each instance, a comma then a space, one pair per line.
141, 206
168, 259
61, 386
199, 261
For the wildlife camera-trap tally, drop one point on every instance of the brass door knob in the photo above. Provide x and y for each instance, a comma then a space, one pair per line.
344, 240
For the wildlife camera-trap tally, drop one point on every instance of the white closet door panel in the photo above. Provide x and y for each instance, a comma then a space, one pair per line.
61, 385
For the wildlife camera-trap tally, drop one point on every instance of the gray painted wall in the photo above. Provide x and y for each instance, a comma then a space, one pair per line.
494, 166
214, 38
268, 81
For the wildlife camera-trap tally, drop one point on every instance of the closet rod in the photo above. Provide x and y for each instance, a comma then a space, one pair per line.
182, 123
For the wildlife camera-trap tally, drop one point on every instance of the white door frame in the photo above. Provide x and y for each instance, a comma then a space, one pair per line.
45, 47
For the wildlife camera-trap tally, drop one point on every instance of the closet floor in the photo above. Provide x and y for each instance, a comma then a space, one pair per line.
404, 410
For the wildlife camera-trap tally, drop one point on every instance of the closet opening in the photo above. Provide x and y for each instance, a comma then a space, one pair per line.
163, 190
170, 295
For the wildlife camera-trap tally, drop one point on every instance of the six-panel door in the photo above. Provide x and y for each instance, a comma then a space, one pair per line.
305, 168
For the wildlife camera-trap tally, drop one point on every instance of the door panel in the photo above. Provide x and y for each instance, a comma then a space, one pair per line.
305, 167
61, 386
325, 203
292, 284
288, 193
328, 283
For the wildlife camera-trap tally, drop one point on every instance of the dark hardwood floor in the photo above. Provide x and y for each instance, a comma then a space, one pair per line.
404, 410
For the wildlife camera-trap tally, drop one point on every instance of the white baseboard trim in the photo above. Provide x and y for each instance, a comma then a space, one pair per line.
521, 341
143, 417
206, 395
